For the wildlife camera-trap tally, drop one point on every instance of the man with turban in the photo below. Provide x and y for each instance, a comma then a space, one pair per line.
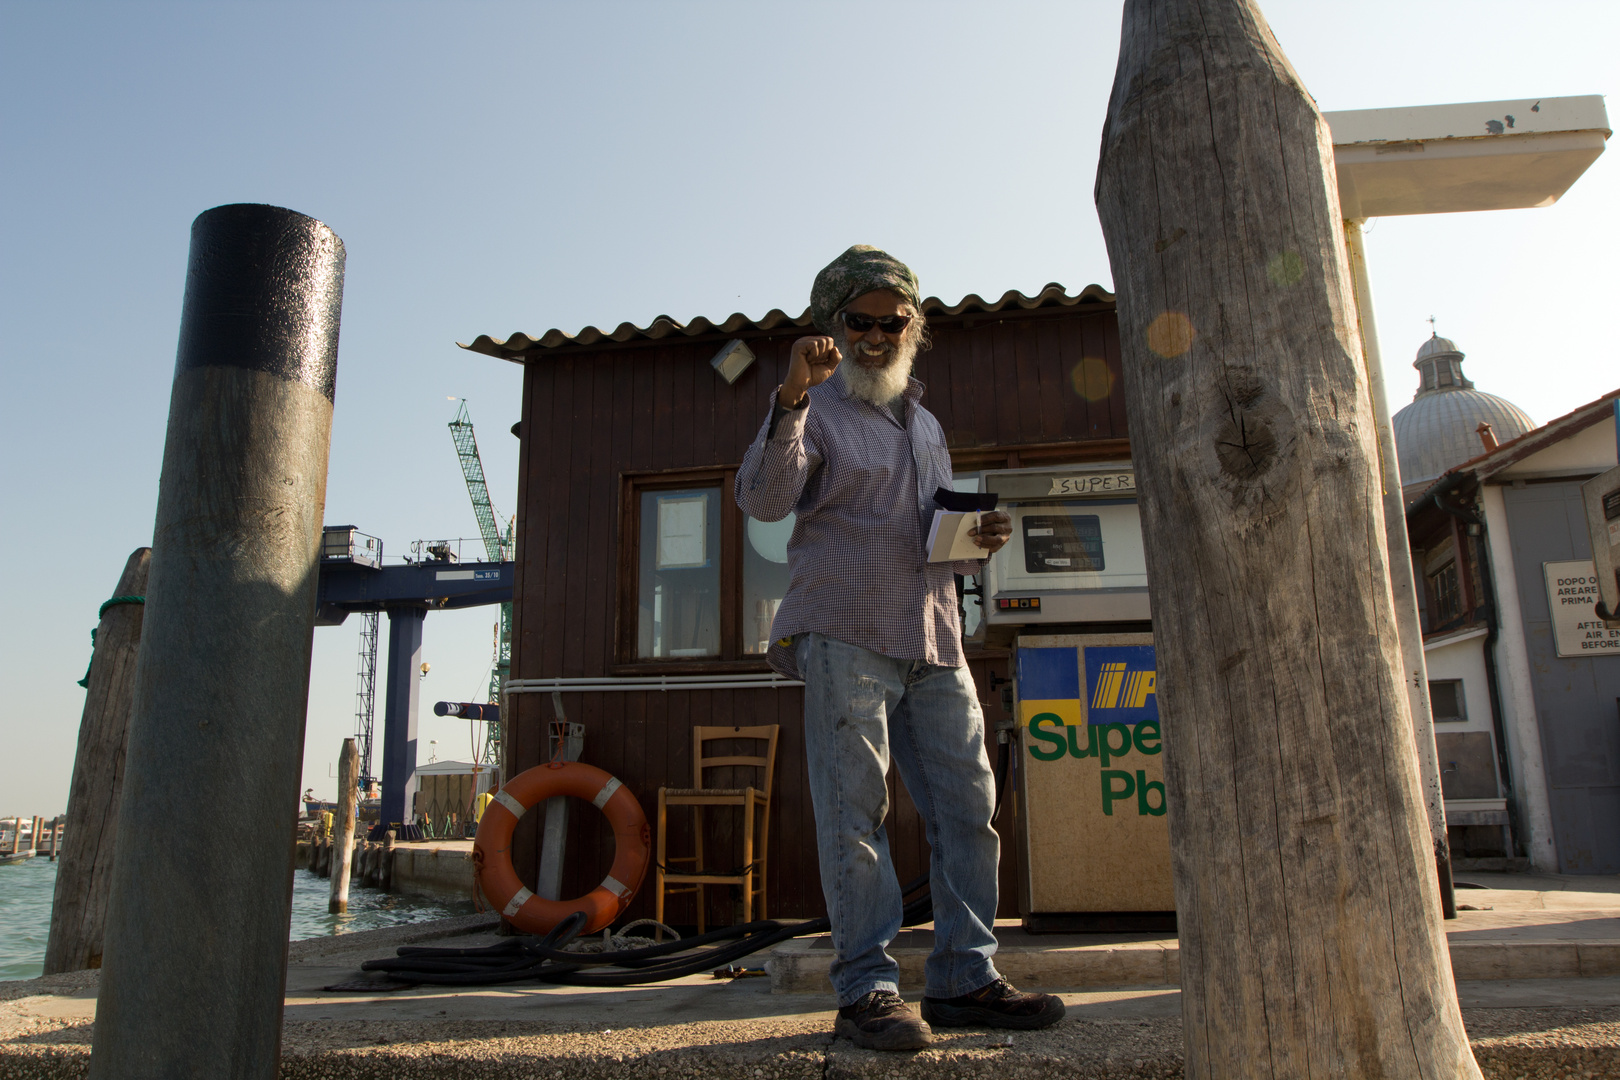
871, 627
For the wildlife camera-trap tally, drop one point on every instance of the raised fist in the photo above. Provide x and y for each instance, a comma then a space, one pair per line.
815, 358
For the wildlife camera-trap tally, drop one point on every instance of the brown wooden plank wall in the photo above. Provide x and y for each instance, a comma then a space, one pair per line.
997, 382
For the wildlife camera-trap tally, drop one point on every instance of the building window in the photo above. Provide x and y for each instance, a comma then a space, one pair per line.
679, 579
1445, 593
765, 578
699, 582
1446, 701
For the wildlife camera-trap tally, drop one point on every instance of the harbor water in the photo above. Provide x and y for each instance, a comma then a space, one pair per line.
26, 890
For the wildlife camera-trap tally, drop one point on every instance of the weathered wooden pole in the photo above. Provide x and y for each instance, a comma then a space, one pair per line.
1309, 916
79, 908
343, 837
195, 965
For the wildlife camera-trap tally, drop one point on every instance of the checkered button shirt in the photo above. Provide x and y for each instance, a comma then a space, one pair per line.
863, 488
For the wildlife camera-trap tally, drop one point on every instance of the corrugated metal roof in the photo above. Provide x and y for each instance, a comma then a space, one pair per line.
520, 346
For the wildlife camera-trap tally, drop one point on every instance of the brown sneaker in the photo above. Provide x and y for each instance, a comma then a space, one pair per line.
995, 1005
881, 1021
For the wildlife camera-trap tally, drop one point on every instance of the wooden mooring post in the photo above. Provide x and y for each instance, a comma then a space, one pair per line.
343, 835
89, 839
1306, 894
196, 943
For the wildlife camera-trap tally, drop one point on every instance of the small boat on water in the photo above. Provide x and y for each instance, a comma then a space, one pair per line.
16, 840
367, 807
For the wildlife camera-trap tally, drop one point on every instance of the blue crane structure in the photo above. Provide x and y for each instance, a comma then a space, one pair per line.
352, 580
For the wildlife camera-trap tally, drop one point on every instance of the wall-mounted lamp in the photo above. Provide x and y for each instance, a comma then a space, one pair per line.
732, 360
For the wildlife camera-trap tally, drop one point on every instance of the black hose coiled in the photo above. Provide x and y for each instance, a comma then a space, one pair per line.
542, 959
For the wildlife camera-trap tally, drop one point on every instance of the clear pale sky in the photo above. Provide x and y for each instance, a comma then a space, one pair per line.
495, 167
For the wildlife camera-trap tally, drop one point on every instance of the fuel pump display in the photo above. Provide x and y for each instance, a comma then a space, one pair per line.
1076, 551
1063, 543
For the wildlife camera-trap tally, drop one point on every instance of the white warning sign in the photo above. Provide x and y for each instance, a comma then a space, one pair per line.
1572, 590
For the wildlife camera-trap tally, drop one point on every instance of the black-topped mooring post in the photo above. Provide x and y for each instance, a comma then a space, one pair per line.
196, 939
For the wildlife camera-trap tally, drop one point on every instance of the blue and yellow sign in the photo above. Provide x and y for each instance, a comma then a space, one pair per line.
1120, 684
1093, 790
1116, 719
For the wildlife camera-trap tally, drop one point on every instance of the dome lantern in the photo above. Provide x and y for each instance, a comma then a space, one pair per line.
1440, 428
1439, 364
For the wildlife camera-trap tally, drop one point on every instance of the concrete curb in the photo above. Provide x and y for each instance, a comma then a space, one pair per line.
1534, 959
800, 966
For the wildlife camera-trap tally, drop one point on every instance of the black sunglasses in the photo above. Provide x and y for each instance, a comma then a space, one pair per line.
861, 324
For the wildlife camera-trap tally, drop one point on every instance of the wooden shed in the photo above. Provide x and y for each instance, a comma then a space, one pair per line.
614, 421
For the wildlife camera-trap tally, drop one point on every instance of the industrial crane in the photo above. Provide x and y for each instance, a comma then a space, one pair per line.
499, 550
365, 695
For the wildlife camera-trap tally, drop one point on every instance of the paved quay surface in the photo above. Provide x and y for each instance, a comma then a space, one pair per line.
704, 1027
1516, 926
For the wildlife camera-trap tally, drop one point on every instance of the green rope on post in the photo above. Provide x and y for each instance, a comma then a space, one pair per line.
85, 682
115, 601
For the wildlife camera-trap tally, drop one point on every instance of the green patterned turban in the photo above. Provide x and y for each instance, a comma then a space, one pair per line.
856, 272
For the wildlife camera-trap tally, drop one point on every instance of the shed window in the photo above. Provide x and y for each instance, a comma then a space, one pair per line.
1446, 701
679, 568
679, 580
699, 582
765, 578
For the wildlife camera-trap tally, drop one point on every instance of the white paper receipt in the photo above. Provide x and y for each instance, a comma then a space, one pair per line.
948, 539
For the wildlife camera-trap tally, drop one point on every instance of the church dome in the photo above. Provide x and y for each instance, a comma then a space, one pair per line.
1440, 429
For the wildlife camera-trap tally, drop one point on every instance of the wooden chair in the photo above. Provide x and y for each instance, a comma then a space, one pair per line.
752, 801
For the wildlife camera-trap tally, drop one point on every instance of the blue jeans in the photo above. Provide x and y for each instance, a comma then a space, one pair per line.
858, 705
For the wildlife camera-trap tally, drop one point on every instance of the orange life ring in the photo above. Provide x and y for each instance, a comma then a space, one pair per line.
492, 848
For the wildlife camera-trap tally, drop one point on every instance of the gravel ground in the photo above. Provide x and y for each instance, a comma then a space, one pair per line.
1509, 1043
734, 1034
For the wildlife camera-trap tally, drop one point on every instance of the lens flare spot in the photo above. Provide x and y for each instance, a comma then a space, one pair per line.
1170, 335
1091, 378
1285, 268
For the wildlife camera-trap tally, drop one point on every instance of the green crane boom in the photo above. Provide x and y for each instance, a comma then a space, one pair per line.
498, 549
461, 431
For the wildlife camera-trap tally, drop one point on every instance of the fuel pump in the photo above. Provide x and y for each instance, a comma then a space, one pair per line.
1069, 594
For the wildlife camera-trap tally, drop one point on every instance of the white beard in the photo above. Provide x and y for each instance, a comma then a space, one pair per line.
878, 385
